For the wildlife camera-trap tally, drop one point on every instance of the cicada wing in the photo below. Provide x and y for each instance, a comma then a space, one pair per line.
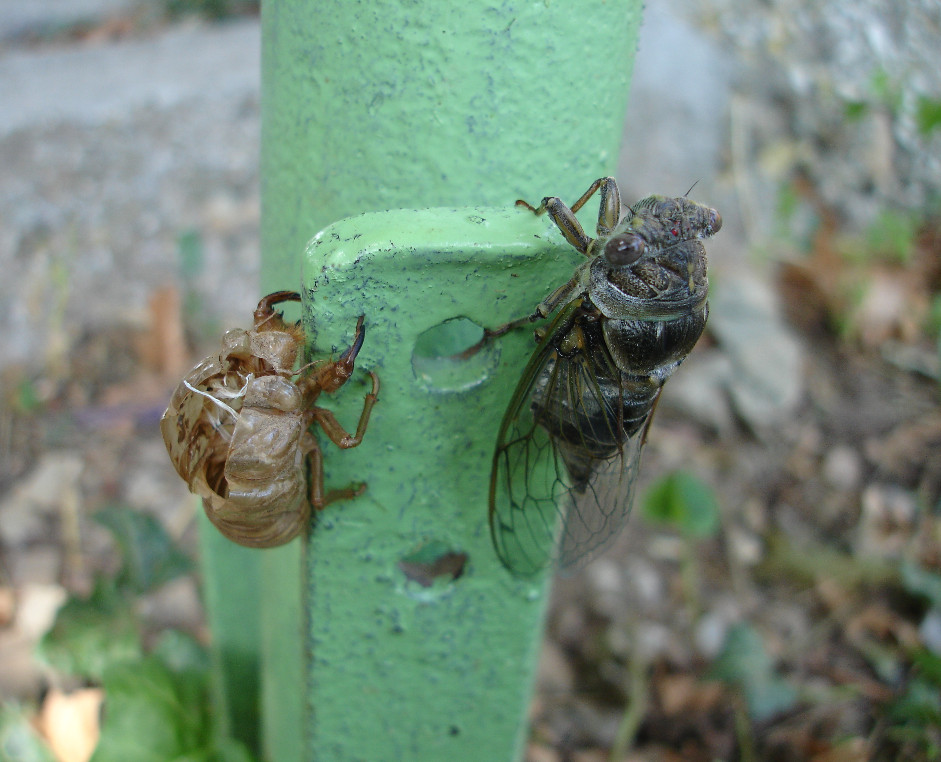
567, 456
593, 518
593, 423
526, 483
529, 477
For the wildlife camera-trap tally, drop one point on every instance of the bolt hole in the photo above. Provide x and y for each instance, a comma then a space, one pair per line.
452, 357
433, 562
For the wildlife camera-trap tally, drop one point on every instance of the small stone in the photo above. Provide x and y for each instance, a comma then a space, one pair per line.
842, 468
38, 606
930, 631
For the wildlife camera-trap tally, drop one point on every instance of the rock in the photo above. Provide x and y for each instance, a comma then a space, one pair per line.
767, 366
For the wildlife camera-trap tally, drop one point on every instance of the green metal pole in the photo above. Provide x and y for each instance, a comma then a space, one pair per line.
390, 104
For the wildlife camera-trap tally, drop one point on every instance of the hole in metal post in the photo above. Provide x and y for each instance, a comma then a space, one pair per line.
452, 356
432, 562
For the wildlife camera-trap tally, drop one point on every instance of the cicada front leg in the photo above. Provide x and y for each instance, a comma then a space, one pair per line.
315, 479
265, 309
609, 212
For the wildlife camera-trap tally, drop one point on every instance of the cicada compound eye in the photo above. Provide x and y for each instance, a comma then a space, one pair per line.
715, 222
624, 249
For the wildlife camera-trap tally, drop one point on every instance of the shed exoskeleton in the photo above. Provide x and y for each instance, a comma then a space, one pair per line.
238, 429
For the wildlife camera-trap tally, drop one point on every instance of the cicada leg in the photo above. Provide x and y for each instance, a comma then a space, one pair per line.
315, 482
265, 309
564, 219
332, 428
341, 438
545, 308
332, 375
609, 212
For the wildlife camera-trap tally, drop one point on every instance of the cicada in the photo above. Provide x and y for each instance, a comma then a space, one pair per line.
569, 444
238, 428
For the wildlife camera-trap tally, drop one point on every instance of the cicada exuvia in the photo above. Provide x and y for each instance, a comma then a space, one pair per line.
569, 444
237, 428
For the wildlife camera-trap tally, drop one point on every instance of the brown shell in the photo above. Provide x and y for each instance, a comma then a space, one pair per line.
237, 429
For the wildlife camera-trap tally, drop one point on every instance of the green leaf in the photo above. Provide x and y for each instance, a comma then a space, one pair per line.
19, 741
89, 634
685, 501
891, 236
855, 110
922, 582
149, 555
928, 114
191, 255
182, 652
930, 665
745, 664
150, 715
156, 712
919, 704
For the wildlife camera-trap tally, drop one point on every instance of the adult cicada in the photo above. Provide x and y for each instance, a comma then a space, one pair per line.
570, 441
237, 429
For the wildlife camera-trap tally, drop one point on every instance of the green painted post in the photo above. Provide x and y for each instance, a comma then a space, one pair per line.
401, 671
372, 106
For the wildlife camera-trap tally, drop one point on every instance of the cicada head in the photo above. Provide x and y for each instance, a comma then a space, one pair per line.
653, 265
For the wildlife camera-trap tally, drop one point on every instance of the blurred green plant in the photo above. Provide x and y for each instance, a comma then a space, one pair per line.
884, 93
928, 114
745, 666
157, 704
157, 708
684, 502
199, 324
889, 238
19, 741
914, 716
25, 397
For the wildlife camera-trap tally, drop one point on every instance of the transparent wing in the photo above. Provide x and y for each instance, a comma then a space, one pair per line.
564, 468
593, 519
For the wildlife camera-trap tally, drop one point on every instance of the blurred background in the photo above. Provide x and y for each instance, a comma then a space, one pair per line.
778, 592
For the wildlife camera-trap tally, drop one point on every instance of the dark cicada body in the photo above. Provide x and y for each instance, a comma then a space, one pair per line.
569, 445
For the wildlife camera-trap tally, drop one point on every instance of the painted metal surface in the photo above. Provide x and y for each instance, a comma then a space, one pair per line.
401, 671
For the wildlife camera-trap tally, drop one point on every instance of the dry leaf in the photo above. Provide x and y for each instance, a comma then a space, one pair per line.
70, 723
